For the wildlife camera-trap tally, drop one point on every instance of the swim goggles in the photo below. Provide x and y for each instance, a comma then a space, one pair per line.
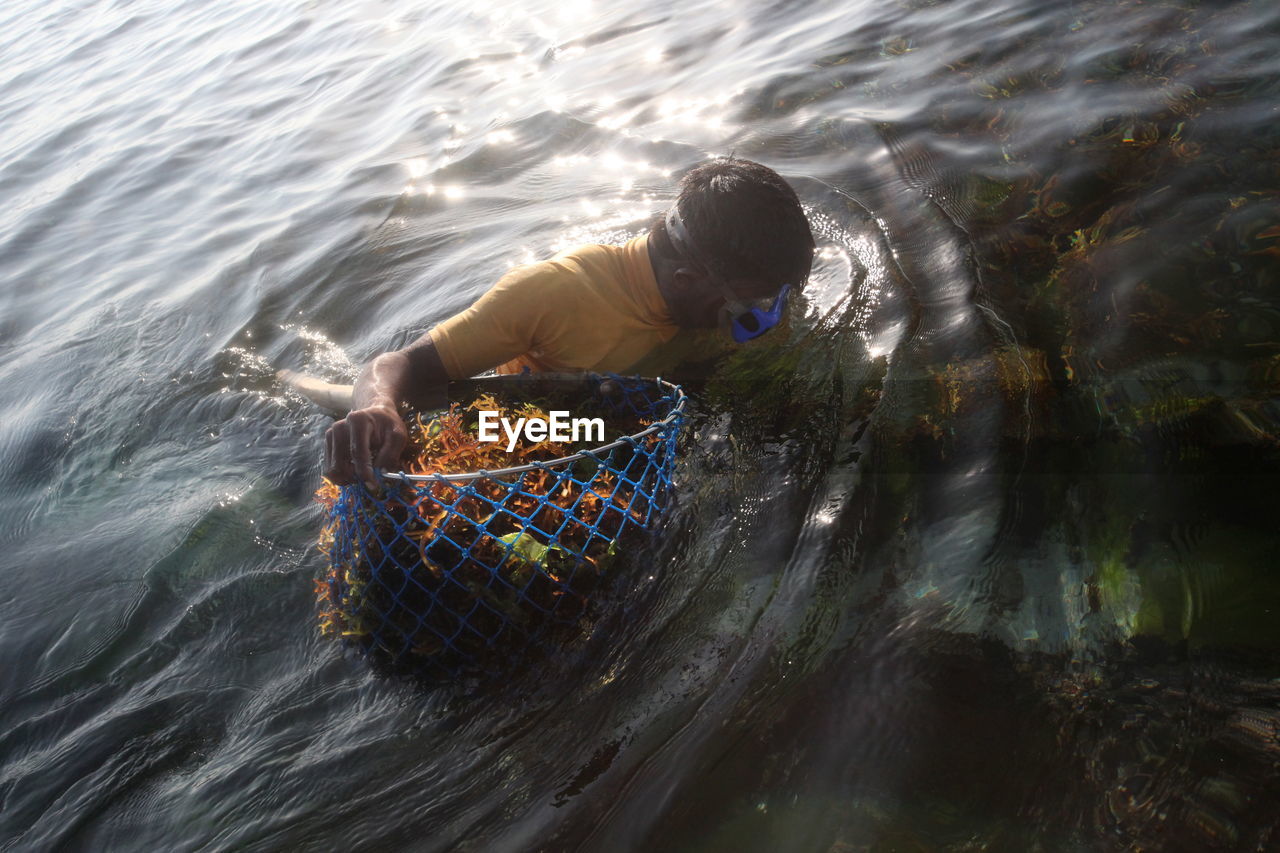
747, 319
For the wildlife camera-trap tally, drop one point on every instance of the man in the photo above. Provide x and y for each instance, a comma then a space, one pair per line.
726, 254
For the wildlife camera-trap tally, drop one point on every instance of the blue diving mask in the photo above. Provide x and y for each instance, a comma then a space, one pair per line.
748, 319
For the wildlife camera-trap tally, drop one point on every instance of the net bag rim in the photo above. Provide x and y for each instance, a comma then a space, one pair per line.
675, 393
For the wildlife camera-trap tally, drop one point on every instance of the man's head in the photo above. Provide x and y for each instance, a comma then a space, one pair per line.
744, 235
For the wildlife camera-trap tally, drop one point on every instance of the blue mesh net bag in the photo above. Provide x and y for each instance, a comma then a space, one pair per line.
474, 570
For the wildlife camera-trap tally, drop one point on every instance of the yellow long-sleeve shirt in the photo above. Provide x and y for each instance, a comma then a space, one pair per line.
590, 308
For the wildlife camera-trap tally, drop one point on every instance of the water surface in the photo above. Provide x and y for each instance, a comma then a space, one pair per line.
978, 555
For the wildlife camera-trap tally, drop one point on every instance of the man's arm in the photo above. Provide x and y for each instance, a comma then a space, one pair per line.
372, 435
500, 325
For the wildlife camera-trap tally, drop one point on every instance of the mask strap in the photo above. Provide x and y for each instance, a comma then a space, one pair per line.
678, 235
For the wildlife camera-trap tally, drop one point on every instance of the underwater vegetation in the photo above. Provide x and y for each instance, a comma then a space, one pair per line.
1136, 258
1078, 501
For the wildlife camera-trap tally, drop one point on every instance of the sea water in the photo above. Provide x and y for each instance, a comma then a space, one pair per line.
977, 552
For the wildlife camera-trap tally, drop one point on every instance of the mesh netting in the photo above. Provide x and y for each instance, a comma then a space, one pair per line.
451, 572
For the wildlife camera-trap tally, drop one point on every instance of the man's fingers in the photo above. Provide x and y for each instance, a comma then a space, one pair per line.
363, 440
394, 438
361, 427
337, 453
328, 453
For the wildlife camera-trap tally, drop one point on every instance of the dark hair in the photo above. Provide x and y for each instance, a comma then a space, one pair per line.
747, 221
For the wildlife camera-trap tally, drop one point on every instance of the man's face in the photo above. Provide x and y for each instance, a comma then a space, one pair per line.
707, 299
708, 302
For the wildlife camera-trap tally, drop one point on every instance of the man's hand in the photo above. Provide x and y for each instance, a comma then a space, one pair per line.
365, 439
372, 435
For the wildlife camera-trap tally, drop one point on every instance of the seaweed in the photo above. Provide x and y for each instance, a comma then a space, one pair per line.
477, 572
